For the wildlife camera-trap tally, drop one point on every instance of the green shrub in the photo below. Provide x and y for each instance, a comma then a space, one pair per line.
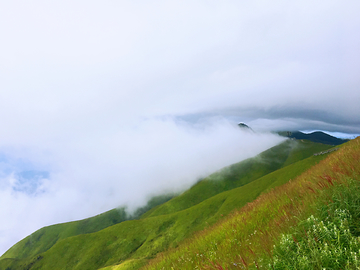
322, 245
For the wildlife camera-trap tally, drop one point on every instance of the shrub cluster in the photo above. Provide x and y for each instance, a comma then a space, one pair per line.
321, 245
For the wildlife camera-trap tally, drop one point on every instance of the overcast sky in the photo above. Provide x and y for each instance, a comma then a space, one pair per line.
104, 103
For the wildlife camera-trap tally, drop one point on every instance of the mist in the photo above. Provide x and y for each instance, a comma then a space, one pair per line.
124, 168
104, 104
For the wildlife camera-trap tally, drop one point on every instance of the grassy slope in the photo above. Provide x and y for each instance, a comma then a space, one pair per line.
46, 237
165, 225
240, 174
245, 239
147, 237
225, 202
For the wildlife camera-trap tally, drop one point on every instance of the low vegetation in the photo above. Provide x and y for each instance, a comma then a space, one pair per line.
43, 239
289, 217
319, 245
195, 227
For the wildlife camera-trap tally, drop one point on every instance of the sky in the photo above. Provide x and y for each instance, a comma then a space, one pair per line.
106, 103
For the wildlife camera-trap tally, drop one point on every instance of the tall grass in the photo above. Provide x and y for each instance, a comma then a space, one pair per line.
319, 245
246, 239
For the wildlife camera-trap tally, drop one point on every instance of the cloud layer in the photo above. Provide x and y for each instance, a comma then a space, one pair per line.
93, 173
105, 103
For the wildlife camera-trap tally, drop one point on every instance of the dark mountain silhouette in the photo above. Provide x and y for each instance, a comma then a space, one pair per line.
317, 136
244, 126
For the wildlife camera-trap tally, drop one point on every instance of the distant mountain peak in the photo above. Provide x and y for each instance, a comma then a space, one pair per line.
316, 136
243, 125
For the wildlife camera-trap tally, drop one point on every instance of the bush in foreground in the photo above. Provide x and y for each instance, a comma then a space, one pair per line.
321, 245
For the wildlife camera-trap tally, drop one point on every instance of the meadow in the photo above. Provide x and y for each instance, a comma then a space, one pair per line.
311, 222
197, 229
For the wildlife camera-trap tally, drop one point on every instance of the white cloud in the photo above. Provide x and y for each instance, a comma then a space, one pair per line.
90, 90
94, 173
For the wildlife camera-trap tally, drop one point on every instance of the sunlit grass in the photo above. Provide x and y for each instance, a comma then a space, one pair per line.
246, 239
319, 244
129, 244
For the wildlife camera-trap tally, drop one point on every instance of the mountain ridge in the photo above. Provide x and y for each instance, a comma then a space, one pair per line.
316, 136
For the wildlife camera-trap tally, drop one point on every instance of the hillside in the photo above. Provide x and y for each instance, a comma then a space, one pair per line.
311, 222
46, 237
135, 241
240, 174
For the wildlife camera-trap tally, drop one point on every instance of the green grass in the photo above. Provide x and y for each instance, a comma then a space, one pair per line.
131, 264
319, 245
328, 239
240, 174
130, 243
245, 239
46, 237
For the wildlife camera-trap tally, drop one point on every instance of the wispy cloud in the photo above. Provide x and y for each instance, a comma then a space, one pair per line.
95, 173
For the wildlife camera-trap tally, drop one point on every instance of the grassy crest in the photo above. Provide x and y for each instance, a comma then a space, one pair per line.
131, 243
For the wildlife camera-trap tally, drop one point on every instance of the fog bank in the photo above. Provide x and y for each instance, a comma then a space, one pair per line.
123, 168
